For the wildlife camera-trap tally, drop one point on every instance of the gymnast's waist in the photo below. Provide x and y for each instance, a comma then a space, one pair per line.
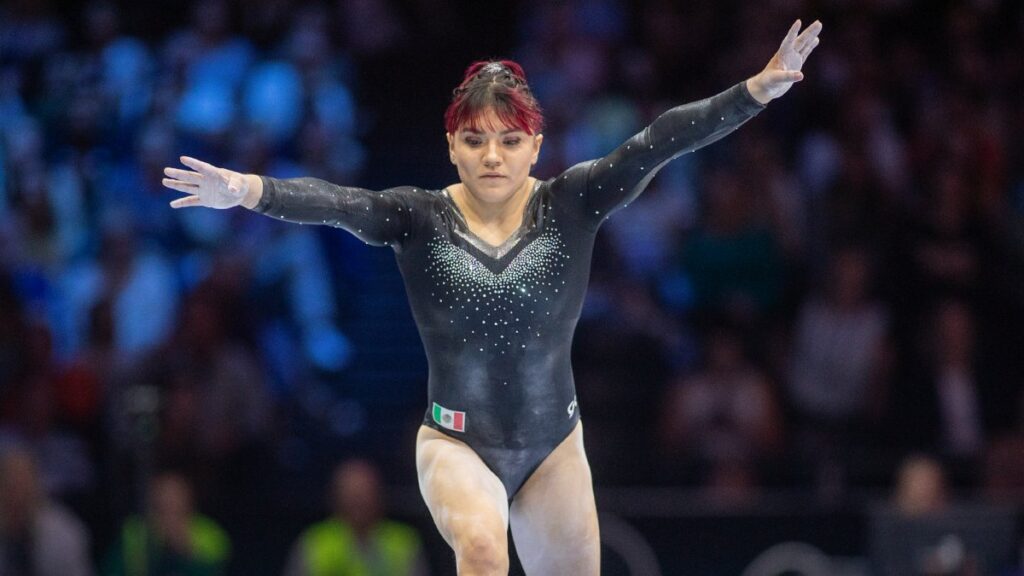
499, 429
502, 412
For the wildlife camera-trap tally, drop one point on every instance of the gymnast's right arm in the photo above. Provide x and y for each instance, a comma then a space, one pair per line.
379, 218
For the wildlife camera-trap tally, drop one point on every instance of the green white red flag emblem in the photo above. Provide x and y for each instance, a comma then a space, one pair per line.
449, 419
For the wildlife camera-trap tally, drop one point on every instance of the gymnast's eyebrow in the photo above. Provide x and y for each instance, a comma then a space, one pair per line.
503, 132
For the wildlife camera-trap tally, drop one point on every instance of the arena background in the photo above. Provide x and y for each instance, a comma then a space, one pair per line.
781, 324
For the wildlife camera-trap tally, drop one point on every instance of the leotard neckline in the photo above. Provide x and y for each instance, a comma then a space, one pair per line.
495, 251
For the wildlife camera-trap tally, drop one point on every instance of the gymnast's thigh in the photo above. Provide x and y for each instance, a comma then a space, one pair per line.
465, 498
554, 517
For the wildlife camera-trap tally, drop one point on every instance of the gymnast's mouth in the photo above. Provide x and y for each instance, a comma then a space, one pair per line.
492, 175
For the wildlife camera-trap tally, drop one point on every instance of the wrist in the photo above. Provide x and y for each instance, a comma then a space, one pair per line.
757, 91
254, 191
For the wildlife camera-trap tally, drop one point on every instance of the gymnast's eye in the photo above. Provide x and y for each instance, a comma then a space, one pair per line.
514, 141
473, 141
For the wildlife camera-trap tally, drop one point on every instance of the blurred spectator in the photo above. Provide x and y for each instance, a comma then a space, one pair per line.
124, 65
212, 63
732, 260
50, 203
925, 534
357, 540
291, 267
327, 75
29, 30
13, 341
921, 487
840, 366
645, 232
272, 100
33, 421
623, 353
947, 243
38, 537
215, 409
134, 277
945, 409
780, 199
173, 539
726, 416
88, 376
1003, 476
953, 248
133, 184
371, 26
841, 356
600, 127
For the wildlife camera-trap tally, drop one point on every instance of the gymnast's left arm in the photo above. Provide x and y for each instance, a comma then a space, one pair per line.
621, 176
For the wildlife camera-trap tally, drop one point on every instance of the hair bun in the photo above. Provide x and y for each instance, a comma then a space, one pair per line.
507, 72
494, 69
504, 71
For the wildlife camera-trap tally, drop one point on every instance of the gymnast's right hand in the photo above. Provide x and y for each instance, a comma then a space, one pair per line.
210, 186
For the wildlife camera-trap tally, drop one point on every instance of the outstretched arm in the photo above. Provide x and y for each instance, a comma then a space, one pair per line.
621, 176
377, 218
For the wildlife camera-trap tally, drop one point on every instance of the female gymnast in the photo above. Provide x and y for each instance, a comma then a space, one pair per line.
495, 268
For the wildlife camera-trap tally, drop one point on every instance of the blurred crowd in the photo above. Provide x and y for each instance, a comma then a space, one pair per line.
833, 289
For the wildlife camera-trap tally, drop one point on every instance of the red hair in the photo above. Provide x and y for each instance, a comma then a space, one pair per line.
499, 85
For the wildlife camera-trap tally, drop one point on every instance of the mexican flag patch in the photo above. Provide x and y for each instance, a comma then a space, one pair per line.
449, 419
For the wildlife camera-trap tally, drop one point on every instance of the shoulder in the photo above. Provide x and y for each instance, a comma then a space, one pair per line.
414, 196
574, 175
569, 186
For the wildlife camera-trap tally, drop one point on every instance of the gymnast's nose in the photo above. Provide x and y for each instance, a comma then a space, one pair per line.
491, 156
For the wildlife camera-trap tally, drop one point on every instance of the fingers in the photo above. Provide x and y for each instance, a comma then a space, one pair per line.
237, 185
184, 175
808, 48
200, 166
186, 202
787, 42
797, 40
779, 77
180, 186
808, 36
788, 76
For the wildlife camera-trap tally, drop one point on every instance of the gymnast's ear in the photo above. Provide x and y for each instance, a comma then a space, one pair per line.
451, 146
537, 141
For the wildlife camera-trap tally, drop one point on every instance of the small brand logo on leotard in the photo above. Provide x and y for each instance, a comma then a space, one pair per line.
572, 407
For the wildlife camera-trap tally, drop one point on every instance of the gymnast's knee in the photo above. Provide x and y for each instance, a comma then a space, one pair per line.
481, 552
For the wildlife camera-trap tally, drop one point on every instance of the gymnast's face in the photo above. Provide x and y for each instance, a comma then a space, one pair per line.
493, 159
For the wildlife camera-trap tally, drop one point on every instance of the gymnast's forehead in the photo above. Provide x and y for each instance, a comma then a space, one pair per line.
488, 120
491, 120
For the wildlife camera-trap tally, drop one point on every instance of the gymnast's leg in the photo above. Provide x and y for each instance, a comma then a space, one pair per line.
467, 501
554, 518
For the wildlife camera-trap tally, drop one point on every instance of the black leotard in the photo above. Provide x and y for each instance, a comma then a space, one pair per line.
497, 321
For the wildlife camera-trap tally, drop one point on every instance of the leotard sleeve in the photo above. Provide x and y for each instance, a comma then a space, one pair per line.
596, 188
377, 218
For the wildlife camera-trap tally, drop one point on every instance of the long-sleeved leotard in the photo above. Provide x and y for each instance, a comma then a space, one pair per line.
497, 321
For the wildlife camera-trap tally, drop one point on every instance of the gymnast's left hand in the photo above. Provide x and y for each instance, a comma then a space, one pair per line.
784, 68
